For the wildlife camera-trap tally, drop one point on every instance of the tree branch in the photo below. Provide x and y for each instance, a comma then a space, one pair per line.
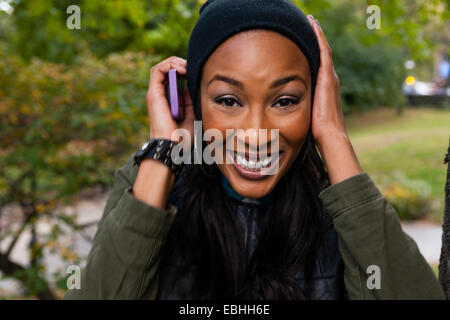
17, 236
11, 268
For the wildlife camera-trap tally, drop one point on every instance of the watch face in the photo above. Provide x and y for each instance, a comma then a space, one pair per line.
145, 145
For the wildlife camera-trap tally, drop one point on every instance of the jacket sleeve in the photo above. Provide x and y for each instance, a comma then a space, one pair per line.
125, 254
371, 237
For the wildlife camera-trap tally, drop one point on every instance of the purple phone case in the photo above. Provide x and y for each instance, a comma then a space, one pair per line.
175, 96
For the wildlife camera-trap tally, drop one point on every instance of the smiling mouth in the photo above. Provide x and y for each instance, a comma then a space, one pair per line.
253, 162
255, 166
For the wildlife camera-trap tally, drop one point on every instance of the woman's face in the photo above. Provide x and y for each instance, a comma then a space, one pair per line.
257, 79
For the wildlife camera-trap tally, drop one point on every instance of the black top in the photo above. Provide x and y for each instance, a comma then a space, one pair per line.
327, 282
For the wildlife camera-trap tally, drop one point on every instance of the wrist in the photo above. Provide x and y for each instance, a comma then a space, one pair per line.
331, 140
153, 183
339, 157
160, 150
160, 135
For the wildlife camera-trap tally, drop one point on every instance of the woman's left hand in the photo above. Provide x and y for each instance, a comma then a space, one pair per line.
328, 127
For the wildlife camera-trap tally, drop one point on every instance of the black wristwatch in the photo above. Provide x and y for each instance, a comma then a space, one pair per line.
158, 149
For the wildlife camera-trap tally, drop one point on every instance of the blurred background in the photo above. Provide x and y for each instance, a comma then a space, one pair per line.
72, 110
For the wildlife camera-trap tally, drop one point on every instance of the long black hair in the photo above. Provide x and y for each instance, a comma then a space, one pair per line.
212, 241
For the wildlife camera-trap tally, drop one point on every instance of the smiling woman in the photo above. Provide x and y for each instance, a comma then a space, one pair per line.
224, 230
268, 87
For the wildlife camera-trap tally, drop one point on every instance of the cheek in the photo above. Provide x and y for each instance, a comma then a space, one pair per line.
213, 121
209, 117
294, 129
212, 118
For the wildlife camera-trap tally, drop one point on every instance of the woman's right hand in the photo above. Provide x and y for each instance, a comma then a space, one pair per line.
154, 180
162, 125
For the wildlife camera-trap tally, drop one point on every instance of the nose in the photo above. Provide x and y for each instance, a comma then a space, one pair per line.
254, 129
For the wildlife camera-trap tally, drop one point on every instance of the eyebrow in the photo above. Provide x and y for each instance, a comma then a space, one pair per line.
276, 83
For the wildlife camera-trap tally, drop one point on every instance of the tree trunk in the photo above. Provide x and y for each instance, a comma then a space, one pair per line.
444, 263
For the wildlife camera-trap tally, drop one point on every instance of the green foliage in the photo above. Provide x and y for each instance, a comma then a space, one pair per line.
371, 72
411, 199
161, 27
69, 125
33, 279
64, 129
369, 64
413, 25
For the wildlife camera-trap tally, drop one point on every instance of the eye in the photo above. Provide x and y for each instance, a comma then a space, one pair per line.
228, 102
286, 102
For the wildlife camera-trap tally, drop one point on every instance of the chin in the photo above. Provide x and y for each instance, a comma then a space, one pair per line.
258, 179
254, 193
250, 188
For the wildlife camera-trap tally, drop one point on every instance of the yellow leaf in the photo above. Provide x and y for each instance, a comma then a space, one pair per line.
13, 118
102, 104
40, 207
116, 115
36, 93
24, 109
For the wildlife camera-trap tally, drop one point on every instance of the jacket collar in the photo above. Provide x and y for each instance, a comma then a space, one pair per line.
233, 194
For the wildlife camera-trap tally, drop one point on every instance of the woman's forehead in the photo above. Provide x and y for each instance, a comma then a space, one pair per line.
257, 51
259, 42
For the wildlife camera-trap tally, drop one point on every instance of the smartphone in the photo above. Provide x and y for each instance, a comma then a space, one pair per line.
175, 94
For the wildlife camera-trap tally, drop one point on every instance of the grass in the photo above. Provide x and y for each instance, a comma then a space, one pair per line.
414, 143
435, 268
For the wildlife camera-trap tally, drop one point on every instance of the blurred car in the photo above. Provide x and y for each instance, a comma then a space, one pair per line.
419, 92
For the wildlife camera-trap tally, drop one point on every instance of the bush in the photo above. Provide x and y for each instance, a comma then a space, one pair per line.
369, 65
410, 198
62, 129
71, 125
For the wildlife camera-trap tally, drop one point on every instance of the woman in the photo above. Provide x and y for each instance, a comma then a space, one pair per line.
227, 230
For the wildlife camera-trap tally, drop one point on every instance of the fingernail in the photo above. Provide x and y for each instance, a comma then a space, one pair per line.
314, 20
318, 23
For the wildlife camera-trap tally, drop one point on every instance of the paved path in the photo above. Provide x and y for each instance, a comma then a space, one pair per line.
428, 237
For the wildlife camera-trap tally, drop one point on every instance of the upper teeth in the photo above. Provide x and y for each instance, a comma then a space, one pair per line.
250, 164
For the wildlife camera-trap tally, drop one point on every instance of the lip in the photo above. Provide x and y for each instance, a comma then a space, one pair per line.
254, 174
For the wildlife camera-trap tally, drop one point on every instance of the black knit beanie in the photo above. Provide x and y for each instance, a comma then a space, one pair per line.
221, 19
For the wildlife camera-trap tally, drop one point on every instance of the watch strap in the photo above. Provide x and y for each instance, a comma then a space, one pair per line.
158, 149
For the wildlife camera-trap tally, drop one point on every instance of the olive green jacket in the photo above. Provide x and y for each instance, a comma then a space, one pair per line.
123, 261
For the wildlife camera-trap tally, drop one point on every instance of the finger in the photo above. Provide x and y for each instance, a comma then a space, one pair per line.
325, 49
158, 72
168, 63
158, 76
181, 61
323, 43
178, 60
